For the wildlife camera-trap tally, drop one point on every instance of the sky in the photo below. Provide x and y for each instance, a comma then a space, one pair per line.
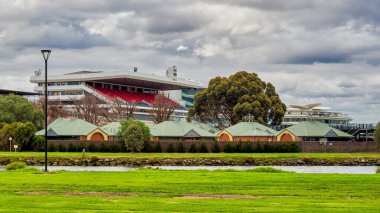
313, 51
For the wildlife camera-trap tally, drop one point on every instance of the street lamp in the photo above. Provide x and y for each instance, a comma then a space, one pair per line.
10, 144
46, 54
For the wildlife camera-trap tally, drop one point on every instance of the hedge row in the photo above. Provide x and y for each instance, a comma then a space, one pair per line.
79, 148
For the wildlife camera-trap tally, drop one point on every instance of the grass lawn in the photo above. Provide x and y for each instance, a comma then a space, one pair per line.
191, 155
187, 191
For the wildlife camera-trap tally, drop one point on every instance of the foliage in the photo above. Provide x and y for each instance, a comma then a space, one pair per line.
92, 147
203, 148
259, 147
22, 134
125, 123
89, 108
38, 143
61, 148
215, 147
104, 148
158, 147
14, 108
248, 147
229, 148
238, 147
114, 148
376, 134
147, 147
71, 148
230, 99
180, 147
193, 148
170, 147
51, 148
80, 147
15, 165
134, 138
162, 108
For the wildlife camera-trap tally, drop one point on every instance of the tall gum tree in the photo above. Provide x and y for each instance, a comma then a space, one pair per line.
227, 100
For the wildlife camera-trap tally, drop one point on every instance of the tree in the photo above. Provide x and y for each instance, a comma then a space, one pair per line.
55, 109
122, 109
376, 134
22, 134
133, 138
14, 108
91, 109
128, 122
227, 100
162, 108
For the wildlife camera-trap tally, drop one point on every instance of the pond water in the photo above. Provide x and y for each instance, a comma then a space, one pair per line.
297, 169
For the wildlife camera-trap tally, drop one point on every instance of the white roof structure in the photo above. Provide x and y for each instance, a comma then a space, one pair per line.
123, 78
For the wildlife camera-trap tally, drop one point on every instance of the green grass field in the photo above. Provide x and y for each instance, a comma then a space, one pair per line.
187, 191
190, 155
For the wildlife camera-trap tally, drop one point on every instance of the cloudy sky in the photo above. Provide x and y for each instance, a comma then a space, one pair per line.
312, 51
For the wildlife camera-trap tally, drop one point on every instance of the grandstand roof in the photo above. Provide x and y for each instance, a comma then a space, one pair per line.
124, 78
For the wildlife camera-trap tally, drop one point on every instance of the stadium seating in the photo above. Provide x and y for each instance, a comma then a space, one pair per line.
140, 98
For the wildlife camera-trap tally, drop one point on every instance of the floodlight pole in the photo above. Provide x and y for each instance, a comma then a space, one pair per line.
46, 54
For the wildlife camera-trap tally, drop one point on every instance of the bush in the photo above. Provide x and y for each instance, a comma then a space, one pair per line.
293, 147
71, 148
51, 148
127, 123
215, 147
133, 138
248, 147
193, 148
259, 147
147, 147
38, 143
239, 147
61, 148
170, 148
181, 147
229, 148
92, 147
22, 133
376, 134
80, 147
158, 147
203, 148
15, 165
104, 148
114, 148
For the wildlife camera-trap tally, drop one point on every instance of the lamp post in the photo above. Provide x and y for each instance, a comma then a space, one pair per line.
10, 144
46, 54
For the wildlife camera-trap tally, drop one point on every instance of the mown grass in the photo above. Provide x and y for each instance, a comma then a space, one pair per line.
191, 155
187, 191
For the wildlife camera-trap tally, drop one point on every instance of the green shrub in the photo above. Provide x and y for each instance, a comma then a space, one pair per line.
259, 147
170, 148
114, 148
238, 147
180, 147
293, 147
203, 148
38, 143
51, 148
15, 165
193, 148
147, 147
158, 147
215, 147
248, 147
61, 148
80, 147
134, 138
229, 148
71, 148
92, 147
104, 148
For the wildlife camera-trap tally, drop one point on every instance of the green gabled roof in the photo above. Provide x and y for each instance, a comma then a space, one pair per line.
72, 127
178, 129
250, 129
204, 126
316, 129
111, 129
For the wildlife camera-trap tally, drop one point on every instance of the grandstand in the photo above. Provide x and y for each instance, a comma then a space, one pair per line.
130, 87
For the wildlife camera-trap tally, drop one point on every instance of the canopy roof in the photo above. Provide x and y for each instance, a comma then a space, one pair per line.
180, 129
250, 129
72, 127
316, 129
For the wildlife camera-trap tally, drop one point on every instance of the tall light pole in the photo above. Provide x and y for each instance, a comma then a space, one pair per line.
46, 54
